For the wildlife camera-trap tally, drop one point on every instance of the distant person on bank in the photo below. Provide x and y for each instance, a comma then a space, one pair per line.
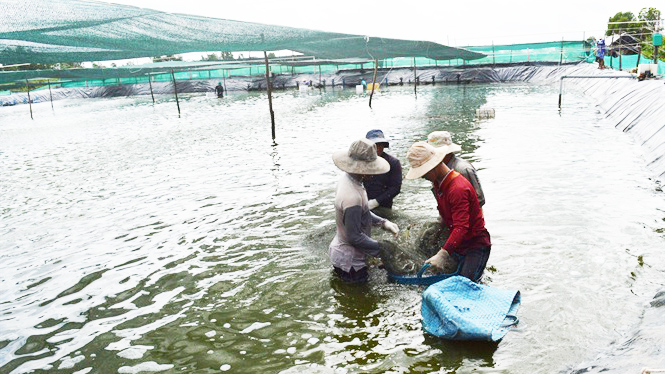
354, 220
469, 241
600, 53
219, 89
460, 165
382, 188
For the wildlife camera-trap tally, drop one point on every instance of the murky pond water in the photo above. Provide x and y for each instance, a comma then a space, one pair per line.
134, 240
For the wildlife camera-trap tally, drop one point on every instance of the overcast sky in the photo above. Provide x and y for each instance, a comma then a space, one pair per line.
455, 23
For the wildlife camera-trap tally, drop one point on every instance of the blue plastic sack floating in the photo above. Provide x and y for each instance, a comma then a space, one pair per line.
458, 309
419, 279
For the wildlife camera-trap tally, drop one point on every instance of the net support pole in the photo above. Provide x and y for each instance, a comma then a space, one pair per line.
493, 56
561, 53
376, 65
175, 90
29, 100
272, 113
50, 94
150, 83
415, 78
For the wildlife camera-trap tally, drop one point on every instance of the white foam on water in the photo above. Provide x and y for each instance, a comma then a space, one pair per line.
255, 326
150, 366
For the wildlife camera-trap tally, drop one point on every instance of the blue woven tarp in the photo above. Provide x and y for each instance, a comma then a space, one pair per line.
458, 309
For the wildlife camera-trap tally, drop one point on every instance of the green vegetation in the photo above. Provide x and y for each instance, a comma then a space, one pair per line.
166, 58
223, 56
641, 27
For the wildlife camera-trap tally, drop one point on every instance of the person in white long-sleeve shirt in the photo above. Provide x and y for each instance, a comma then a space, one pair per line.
352, 242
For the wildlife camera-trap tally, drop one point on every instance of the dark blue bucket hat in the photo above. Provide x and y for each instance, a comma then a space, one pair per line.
377, 137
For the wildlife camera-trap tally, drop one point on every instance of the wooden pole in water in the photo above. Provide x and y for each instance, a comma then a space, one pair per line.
50, 94
29, 100
175, 90
150, 82
376, 65
272, 114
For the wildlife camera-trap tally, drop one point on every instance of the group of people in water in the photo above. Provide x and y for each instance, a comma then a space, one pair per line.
373, 178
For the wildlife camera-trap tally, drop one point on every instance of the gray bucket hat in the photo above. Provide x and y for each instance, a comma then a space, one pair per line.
361, 158
377, 137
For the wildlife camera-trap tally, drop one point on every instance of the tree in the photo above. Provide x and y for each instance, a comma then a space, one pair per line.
651, 18
227, 56
650, 26
210, 57
616, 28
167, 58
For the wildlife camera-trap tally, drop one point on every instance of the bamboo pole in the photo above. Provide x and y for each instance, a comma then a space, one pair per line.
175, 90
561, 57
150, 82
415, 78
376, 65
29, 100
50, 94
493, 56
272, 113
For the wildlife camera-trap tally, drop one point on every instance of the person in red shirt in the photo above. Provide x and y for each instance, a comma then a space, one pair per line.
458, 207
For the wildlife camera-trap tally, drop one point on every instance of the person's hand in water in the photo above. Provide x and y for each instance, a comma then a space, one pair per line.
391, 227
442, 261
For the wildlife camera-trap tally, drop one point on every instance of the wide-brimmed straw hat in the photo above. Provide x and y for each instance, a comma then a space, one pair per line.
423, 157
361, 158
441, 138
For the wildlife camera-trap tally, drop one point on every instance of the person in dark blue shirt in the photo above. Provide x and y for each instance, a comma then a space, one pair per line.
219, 89
600, 53
382, 189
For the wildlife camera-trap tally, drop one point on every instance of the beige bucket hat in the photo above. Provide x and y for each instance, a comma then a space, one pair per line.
423, 157
361, 158
441, 138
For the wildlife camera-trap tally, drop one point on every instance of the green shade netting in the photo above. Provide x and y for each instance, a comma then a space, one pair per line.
52, 31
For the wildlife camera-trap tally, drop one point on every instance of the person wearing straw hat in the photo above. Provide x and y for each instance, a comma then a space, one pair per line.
460, 165
354, 220
382, 188
458, 207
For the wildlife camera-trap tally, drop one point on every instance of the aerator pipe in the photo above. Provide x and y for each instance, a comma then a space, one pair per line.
587, 77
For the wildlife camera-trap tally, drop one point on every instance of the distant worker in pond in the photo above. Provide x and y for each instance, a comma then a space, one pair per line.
460, 165
382, 189
469, 241
600, 53
353, 242
363, 83
219, 89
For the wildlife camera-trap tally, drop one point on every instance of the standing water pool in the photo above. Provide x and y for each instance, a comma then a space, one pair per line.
134, 240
